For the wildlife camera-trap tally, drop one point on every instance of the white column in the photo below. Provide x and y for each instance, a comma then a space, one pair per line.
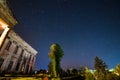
33, 62
4, 35
6, 63
22, 67
21, 63
16, 59
30, 63
27, 61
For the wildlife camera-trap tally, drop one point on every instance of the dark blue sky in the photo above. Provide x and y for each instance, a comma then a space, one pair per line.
84, 29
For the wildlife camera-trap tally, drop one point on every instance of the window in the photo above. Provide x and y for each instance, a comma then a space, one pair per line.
17, 67
1, 61
21, 53
8, 45
30, 57
10, 66
16, 49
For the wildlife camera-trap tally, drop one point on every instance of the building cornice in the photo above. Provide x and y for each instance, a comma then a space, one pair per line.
6, 14
21, 42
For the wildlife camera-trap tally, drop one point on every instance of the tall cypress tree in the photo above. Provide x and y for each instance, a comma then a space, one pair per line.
101, 68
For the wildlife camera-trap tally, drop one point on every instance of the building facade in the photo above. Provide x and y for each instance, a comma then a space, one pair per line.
15, 54
7, 21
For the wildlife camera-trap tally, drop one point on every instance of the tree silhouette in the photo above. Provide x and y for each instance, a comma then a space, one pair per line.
117, 70
56, 53
101, 69
88, 75
112, 76
50, 68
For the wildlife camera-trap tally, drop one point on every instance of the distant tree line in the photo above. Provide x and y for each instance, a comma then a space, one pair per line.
101, 71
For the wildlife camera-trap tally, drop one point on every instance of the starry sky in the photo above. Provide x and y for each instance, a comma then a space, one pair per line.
84, 29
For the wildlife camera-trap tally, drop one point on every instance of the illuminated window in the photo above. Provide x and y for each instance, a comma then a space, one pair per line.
1, 61
16, 49
8, 45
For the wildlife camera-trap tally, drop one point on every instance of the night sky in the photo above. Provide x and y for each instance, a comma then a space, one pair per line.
84, 29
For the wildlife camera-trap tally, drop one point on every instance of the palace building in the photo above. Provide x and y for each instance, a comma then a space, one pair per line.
15, 54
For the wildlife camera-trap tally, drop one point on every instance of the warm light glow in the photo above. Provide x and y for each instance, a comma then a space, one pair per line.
3, 30
3, 24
